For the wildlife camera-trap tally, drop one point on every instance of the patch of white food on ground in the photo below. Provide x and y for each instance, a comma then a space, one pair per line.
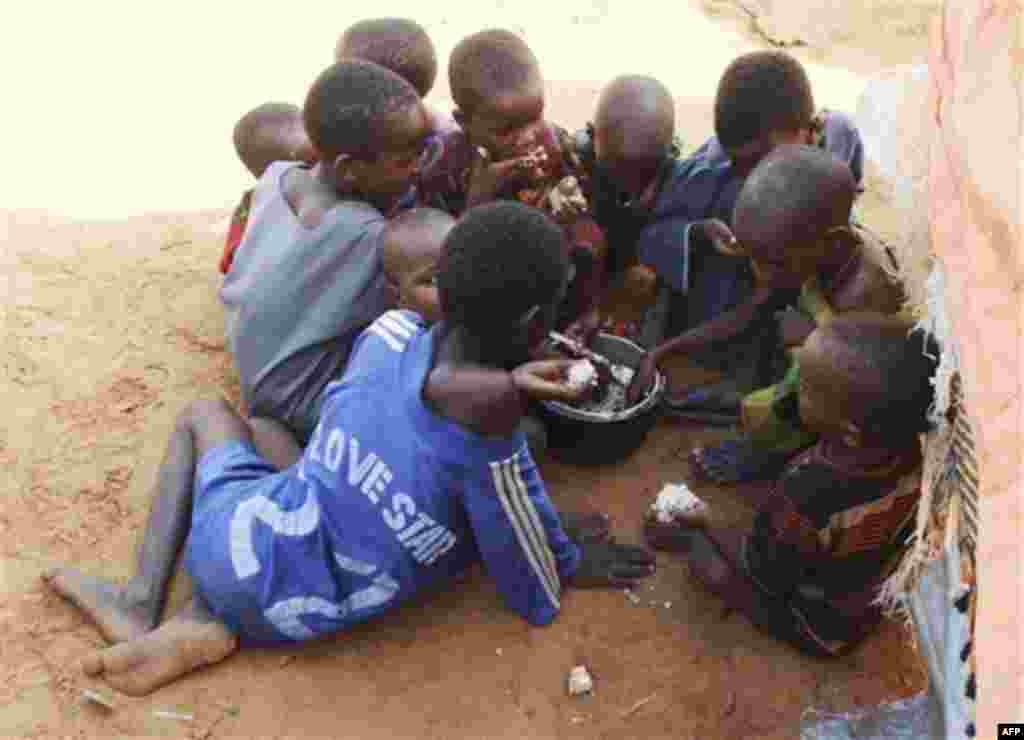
674, 500
580, 681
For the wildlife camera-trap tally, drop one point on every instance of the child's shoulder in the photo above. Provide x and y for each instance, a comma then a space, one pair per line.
396, 328
484, 401
312, 203
443, 169
836, 120
838, 134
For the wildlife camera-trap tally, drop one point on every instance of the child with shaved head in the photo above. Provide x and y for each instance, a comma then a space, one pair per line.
831, 527
411, 248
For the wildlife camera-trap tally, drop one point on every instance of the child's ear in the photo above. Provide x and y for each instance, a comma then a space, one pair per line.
345, 171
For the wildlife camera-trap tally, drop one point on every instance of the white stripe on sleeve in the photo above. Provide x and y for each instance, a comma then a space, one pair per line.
531, 512
384, 334
404, 321
397, 328
512, 498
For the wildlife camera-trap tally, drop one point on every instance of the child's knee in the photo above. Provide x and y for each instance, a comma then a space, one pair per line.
210, 422
204, 409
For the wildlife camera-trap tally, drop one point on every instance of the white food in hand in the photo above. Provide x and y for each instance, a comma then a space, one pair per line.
673, 501
567, 197
582, 374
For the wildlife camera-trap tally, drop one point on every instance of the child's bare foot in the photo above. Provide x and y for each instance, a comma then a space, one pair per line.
110, 606
179, 646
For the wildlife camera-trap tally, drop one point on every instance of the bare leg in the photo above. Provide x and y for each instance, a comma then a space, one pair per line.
274, 442
190, 640
124, 612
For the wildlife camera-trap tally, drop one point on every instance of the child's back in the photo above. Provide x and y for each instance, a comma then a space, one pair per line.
307, 275
296, 298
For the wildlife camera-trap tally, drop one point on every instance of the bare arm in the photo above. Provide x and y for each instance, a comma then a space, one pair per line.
723, 327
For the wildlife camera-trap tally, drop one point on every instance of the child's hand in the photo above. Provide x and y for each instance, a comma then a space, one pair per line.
643, 379
585, 527
487, 178
566, 200
720, 236
610, 565
794, 327
547, 380
585, 327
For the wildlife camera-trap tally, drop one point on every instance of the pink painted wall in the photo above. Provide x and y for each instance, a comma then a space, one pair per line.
976, 65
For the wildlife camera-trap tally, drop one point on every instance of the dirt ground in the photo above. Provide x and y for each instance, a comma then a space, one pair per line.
110, 337
111, 327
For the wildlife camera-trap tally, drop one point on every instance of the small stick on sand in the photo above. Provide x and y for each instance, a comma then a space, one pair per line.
94, 697
638, 706
160, 714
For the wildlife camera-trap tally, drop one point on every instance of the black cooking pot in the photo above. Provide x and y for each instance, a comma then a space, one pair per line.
587, 438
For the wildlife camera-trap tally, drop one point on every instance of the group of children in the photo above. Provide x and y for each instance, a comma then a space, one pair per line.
388, 286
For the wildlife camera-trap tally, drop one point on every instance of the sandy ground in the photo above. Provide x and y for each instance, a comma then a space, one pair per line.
111, 326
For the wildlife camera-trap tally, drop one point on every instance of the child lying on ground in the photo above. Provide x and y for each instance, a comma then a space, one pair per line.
272, 132
395, 493
403, 46
829, 530
793, 219
506, 150
307, 277
670, 212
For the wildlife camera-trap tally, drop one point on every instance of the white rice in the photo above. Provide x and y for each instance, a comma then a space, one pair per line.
674, 500
582, 374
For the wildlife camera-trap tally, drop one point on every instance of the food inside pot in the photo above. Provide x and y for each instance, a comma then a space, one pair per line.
605, 394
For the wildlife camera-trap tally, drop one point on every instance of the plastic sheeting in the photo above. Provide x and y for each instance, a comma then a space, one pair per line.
910, 719
944, 711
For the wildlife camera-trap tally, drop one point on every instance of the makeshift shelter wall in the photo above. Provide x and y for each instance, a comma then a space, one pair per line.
974, 207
